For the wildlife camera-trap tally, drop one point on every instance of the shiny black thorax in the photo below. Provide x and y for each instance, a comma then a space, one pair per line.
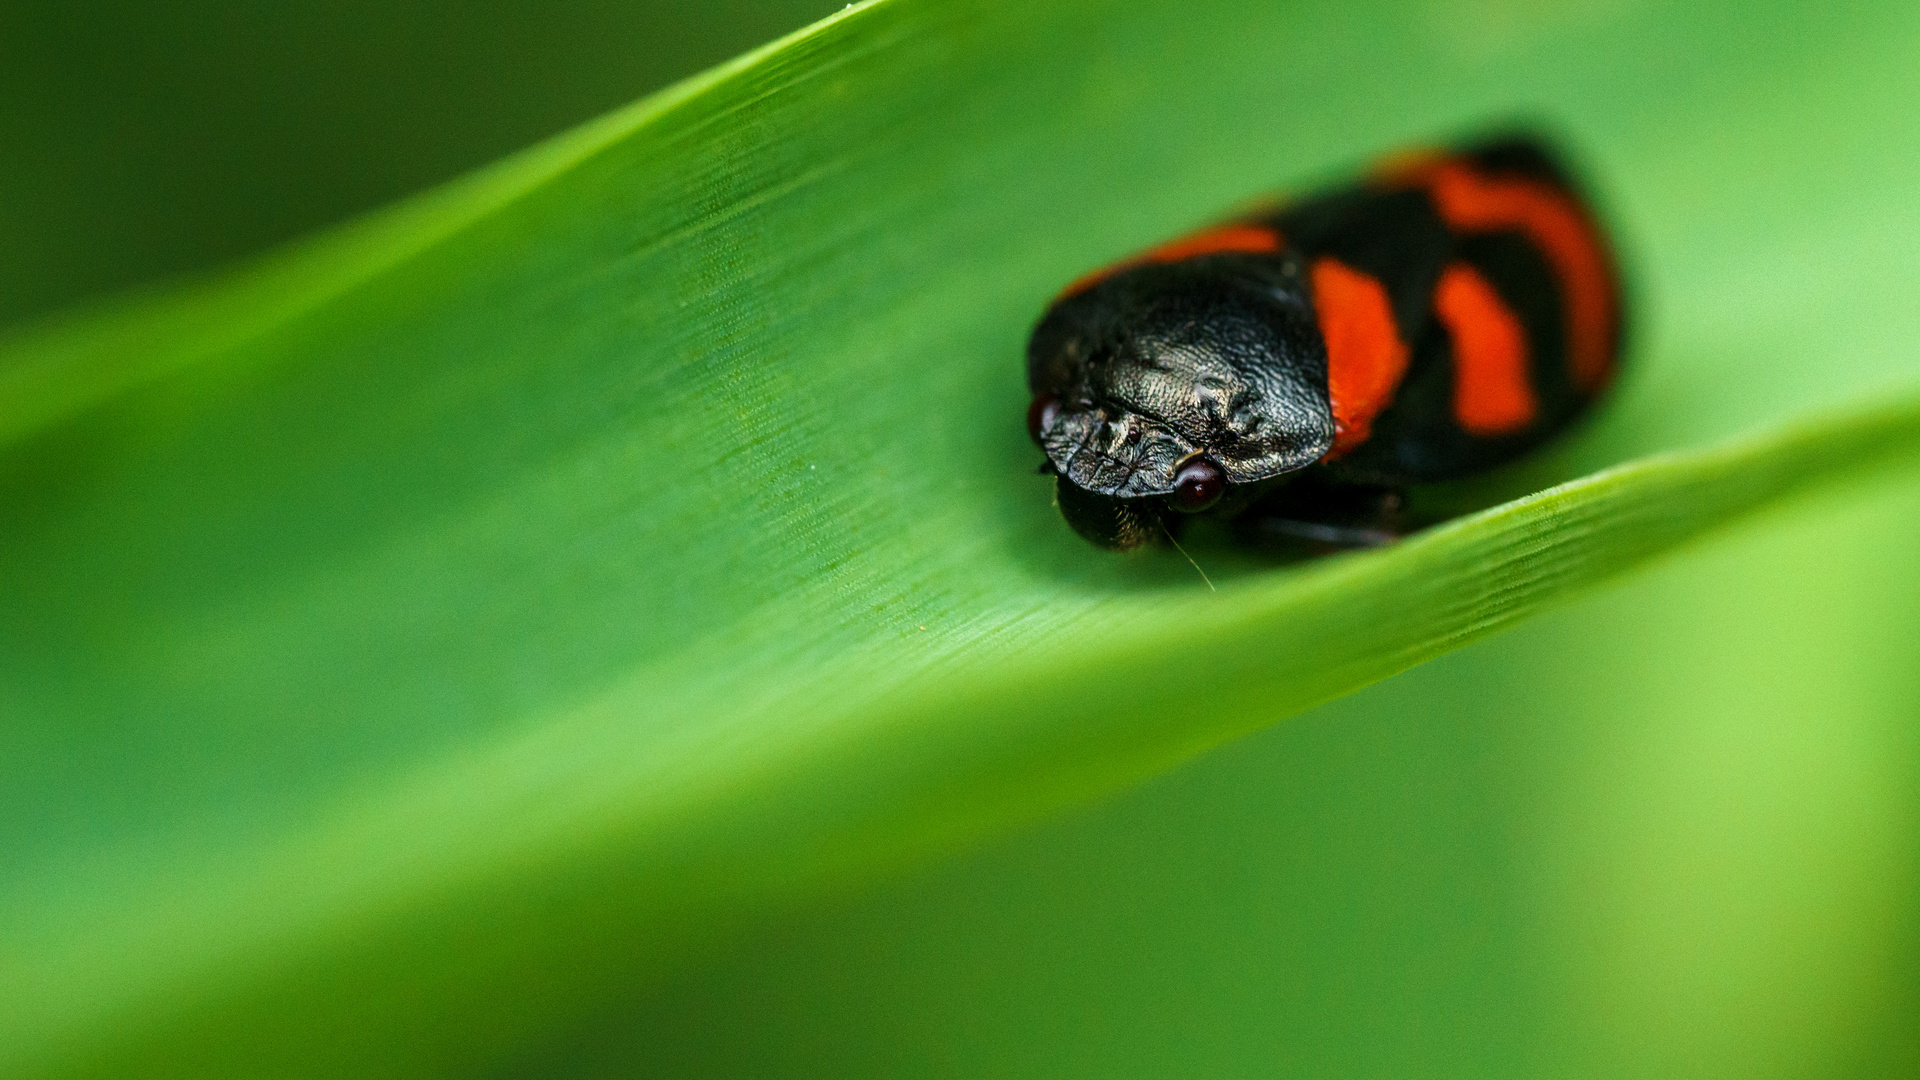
1217, 354
1216, 357
1219, 361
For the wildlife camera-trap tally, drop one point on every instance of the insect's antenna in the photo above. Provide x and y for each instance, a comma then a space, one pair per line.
1189, 558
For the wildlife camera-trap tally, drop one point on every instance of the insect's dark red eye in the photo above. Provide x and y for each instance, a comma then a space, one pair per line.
1198, 485
1040, 414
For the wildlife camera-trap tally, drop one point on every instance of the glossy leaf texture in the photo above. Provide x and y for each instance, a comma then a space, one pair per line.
429, 635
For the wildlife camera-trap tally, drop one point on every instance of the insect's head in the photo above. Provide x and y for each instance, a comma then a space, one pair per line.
1170, 386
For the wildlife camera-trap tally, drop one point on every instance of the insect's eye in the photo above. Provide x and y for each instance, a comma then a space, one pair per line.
1040, 414
1198, 485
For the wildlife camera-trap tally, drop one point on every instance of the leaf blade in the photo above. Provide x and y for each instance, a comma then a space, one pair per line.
506, 592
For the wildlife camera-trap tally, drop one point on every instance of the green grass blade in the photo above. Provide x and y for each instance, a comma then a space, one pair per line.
419, 640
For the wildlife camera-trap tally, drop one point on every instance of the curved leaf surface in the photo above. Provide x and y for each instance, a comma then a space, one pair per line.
415, 640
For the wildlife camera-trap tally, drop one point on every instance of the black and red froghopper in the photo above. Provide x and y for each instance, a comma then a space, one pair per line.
1298, 370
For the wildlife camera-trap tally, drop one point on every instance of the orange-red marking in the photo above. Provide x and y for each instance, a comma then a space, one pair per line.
1491, 394
1471, 201
1365, 356
1239, 236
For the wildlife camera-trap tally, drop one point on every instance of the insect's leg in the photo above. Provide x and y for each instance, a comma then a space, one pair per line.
1326, 516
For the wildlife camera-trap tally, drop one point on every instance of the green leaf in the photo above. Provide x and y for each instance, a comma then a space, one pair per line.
149, 141
417, 641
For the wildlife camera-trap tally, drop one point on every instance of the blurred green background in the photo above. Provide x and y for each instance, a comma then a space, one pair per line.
1669, 831
143, 140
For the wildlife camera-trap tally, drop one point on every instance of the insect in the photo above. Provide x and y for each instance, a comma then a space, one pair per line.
1296, 371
